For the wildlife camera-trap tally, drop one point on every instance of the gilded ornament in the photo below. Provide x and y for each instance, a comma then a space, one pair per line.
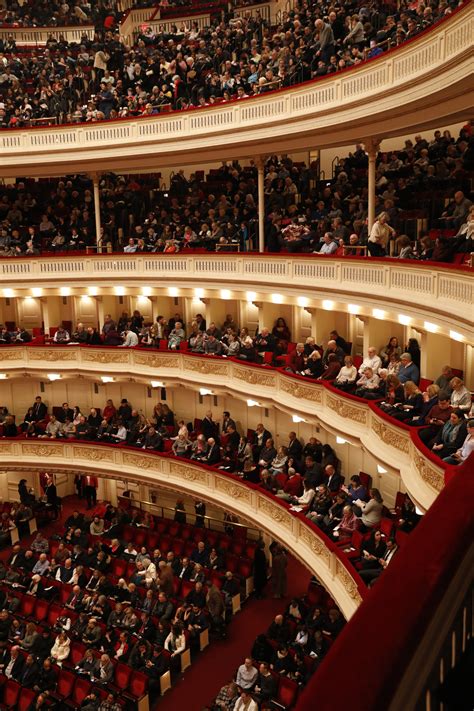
52, 355
93, 454
348, 582
138, 461
276, 512
14, 354
390, 437
314, 542
188, 473
428, 473
344, 409
105, 356
301, 392
254, 377
206, 367
42, 450
153, 360
233, 489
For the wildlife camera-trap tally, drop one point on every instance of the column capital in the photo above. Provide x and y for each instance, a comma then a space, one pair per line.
95, 175
260, 161
372, 145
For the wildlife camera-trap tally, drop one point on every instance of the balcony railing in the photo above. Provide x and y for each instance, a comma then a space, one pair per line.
265, 511
357, 420
353, 102
419, 289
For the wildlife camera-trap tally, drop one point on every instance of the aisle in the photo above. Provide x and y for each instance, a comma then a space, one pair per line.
218, 663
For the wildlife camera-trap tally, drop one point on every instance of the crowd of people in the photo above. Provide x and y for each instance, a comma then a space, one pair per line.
189, 66
220, 210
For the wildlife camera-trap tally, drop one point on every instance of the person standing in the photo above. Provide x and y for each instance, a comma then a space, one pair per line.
279, 574
260, 570
90, 485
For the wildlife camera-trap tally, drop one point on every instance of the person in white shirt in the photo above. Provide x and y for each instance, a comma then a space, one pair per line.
304, 500
130, 247
329, 246
246, 675
347, 376
369, 381
372, 360
131, 339
380, 235
245, 703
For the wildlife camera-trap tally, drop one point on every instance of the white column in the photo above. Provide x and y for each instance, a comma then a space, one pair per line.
372, 146
100, 312
45, 314
95, 181
260, 162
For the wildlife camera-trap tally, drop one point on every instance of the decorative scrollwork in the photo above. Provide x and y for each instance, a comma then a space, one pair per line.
233, 489
52, 355
105, 356
390, 437
14, 354
139, 461
189, 473
254, 377
94, 454
206, 367
301, 392
154, 360
315, 543
344, 409
348, 582
428, 473
276, 512
42, 450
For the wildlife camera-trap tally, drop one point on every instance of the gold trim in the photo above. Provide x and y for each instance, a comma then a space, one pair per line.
393, 439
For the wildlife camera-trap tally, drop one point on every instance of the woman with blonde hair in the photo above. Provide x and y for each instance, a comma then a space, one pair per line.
380, 235
61, 648
412, 405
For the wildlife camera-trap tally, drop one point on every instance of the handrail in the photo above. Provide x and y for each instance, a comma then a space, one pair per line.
299, 535
358, 420
419, 614
440, 293
152, 504
329, 101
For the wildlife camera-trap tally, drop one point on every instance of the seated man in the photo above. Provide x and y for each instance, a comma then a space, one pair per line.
370, 575
408, 370
463, 453
367, 383
372, 360
247, 675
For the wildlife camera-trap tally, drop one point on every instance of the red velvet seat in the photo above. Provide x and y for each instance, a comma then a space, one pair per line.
26, 699
82, 688
10, 694
65, 684
41, 610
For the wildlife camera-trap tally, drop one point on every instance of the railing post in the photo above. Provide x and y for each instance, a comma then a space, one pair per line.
372, 146
260, 162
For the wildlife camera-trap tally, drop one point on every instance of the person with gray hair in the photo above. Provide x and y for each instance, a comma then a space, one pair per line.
408, 370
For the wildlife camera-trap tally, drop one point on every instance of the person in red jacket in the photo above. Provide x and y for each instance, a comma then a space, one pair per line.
293, 486
296, 361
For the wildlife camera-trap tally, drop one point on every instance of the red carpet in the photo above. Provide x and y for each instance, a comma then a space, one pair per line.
217, 664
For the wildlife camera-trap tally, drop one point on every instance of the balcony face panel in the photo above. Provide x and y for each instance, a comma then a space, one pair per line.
421, 84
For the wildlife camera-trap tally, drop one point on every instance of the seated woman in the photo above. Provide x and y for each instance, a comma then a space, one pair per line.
452, 435
430, 399
279, 462
347, 376
314, 365
394, 393
380, 390
176, 336
371, 511
390, 349
460, 395
181, 446
412, 404
372, 549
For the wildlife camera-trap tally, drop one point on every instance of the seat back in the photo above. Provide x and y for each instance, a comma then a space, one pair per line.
27, 697
11, 692
65, 684
138, 685
82, 687
122, 675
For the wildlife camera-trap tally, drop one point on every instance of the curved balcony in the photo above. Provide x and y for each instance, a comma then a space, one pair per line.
265, 511
356, 420
425, 291
420, 85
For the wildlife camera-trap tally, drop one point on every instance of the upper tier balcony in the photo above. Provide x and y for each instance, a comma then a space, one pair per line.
422, 84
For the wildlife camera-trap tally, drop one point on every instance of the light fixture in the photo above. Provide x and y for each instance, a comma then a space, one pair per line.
146, 291
205, 391
251, 295
3, 376
419, 511
381, 470
253, 403
328, 304
37, 291
119, 290
378, 313
456, 336
297, 418
173, 291
431, 327
277, 298
54, 376
8, 293
404, 320
65, 291
93, 290
353, 308
226, 294
107, 379
199, 293
157, 384
84, 297
341, 440
302, 301
28, 298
